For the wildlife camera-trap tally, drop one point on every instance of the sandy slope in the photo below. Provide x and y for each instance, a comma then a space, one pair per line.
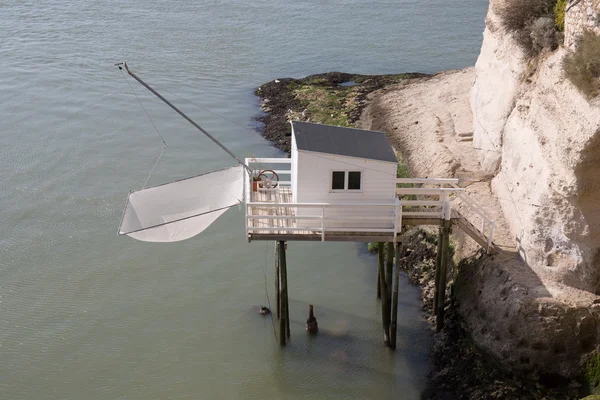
429, 121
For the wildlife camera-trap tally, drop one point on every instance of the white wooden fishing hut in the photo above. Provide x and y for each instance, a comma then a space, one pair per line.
341, 185
338, 185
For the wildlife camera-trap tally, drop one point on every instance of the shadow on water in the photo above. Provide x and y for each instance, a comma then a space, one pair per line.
347, 358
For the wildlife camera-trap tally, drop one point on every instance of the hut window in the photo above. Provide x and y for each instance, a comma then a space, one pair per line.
338, 180
354, 180
346, 180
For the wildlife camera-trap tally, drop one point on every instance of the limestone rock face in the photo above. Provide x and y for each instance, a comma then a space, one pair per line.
498, 70
526, 324
542, 139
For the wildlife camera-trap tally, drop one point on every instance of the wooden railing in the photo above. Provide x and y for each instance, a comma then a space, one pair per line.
487, 223
451, 191
323, 222
432, 199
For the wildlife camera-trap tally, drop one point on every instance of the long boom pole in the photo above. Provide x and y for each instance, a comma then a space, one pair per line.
184, 116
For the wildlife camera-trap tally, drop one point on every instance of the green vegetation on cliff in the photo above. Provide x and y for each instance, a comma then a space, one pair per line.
582, 67
559, 14
533, 23
592, 374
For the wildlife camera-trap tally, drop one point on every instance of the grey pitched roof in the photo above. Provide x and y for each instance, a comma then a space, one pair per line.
343, 141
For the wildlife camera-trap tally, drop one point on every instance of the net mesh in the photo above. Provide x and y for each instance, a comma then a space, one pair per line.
182, 209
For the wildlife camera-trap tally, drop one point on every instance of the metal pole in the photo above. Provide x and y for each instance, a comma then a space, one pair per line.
184, 116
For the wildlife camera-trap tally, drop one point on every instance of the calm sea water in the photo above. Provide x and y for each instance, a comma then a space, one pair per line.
85, 314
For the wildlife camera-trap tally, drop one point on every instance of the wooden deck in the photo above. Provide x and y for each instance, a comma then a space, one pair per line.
277, 196
286, 219
273, 215
281, 222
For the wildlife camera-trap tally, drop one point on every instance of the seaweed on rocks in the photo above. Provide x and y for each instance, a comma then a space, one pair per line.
334, 98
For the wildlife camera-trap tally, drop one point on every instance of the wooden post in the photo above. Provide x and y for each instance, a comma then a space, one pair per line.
441, 300
277, 297
438, 261
394, 324
385, 309
389, 271
378, 285
287, 299
283, 321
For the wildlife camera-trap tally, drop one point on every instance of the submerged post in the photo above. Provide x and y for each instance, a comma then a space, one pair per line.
284, 326
441, 300
394, 324
277, 296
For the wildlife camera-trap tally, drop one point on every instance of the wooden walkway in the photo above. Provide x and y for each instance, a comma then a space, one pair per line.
281, 223
271, 214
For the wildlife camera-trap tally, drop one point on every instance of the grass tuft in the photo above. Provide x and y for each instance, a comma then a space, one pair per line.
592, 373
582, 67
559, 15
520, 17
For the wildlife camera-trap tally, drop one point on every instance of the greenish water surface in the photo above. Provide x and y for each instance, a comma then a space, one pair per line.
85, 314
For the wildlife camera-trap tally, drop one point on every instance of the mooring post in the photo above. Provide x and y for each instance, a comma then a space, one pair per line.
277, 296
441, 300
394, 325
438, 261
385, 310
283, 321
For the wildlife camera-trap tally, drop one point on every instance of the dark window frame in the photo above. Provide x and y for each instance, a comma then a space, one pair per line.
346, 181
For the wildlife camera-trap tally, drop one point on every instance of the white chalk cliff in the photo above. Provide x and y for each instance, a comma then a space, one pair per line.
541, 140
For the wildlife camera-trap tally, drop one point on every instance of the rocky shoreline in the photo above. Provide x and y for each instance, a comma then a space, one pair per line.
460, 369
334, 98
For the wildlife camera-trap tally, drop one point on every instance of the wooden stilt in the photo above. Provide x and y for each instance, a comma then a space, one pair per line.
287, 299
287, 316
441, 300
438, 261
378, 285
394, 324
283, 323
389, 271
277, 296
385, 310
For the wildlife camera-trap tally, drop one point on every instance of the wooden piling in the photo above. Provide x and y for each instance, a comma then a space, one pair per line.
394, 324
284, 326
385, 309
378, 285
277, 296
287, 298
441, 300
438, 261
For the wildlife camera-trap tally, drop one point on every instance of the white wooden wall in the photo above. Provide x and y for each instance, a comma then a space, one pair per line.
313, 185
